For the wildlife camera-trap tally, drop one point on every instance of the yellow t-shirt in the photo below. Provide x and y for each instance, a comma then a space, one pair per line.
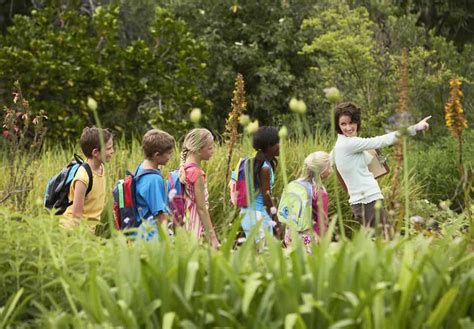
94, 202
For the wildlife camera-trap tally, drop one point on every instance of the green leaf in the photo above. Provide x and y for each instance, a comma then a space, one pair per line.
168, 320
251, 286
436, 317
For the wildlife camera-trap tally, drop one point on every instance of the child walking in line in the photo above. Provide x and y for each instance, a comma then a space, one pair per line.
150, 190
198, 146
267, 144
87, 205
316, 168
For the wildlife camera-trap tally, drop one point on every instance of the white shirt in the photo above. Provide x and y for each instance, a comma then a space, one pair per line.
352, 159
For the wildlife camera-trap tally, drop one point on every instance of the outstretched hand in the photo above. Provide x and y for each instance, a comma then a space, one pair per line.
423, 124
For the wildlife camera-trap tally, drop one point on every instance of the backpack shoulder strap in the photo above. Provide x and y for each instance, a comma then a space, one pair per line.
308, 186
88, 171
89, 174
147, 172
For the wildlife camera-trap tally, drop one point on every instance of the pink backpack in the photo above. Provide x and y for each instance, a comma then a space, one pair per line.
177, 195
238, 184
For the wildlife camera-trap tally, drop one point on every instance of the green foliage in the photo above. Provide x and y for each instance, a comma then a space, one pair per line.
51, 277
362, 58
436, 166
259, 39
62, 57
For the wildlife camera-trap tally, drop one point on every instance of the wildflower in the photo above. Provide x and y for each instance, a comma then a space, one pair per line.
252, 127
378, 205
244, 120
297, 106
172, 194
91, 104
273, 210
445, 205
195, 115
272, 223
417, 219
283, 133
332, 94
241, 240
453, 111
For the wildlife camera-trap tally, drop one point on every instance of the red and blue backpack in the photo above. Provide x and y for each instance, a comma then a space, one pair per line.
125, 202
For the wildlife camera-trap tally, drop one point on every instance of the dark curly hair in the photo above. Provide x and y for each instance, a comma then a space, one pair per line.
348, 109
264, 138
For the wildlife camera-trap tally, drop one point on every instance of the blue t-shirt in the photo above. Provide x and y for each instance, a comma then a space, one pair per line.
150, 195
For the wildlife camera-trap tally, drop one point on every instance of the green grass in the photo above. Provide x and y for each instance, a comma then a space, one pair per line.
55, 278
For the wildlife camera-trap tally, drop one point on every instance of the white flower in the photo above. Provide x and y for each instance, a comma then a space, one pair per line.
283, 133
172, 193
273, 223
195, 115
273, 210
297, 106
91, 103
417, 219
241, 240
332, 94
293, 104
252, 127
244, 120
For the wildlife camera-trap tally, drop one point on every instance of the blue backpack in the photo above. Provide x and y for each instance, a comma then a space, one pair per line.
57, 189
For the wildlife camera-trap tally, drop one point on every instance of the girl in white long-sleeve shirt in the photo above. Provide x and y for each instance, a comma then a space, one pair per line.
352, 159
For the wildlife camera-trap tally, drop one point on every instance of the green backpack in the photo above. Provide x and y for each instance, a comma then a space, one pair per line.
296, 205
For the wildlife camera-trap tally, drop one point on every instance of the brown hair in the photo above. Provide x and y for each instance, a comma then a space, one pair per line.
348, 109
90, 139
156, 140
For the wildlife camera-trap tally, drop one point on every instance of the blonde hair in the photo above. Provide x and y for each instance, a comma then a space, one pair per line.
156, 140
314, 165
194, 141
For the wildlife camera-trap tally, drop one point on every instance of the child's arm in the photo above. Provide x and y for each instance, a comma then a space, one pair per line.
79, 196
161, 218
264, 178
203, 212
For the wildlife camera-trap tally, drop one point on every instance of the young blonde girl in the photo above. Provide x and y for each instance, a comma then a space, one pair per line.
316, 168
198, 146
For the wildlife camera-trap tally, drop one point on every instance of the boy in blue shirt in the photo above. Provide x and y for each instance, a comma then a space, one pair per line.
151, 196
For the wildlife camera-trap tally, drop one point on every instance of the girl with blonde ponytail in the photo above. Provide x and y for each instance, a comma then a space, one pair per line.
316, 168
198, 146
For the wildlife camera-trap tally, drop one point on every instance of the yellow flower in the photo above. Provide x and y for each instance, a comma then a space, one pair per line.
91, 103
297, 106
453, 111
244, 120
283, 133
252, 127
195, 115
332, 94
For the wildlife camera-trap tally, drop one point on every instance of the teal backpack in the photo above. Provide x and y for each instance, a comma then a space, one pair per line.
296, 205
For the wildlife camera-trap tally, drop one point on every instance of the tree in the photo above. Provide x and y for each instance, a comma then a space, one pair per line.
61, 58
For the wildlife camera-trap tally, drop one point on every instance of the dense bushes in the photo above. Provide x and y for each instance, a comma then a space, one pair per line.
61, 58
147, 66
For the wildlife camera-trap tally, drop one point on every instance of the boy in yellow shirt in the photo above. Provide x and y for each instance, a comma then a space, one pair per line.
89, 206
